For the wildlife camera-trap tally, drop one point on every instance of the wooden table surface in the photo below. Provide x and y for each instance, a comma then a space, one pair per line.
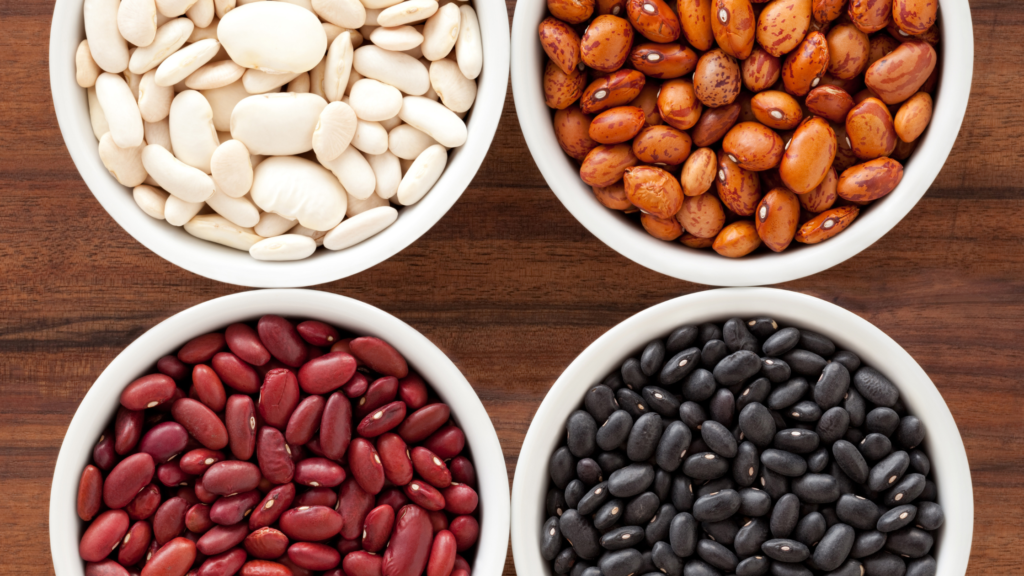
512, 288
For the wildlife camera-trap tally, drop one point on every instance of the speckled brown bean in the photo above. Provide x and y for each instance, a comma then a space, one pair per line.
870, 181
827, 10
739, 189
613, 7
678, 104
661, 228
702, 216
823, 196
605, 164
805, 66
776, 109
691, 241
760, 70
753, 146
663, 61
647, 101
654, 19
808, 156
848, 49
903, 149
561, 90
714, 123
881, 45
571, 11
606, 43
870, 15
733, 23
662, 145
829, 102
613, 196
616, 89
737, 239
782, 25
870, 129
717, 80
844, 154
695, 18
572, 130
653, 190
699, 172
777, 218
560, 42
901, 74
826, 225
822, 27
617, 124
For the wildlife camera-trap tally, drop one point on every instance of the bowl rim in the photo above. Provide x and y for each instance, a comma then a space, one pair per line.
100, 403
707, 267
793, 308
236, 267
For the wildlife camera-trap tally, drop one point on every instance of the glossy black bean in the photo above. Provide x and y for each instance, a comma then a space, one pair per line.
699, 445
622, 537
615, 430
681, 338
757, 424
574, 492
631, 402
611, 461
910, 542
818, 460
554, 503
692, 414
856, 406
849, 568
804, 362
851, 461
582, 434
753, 566
564, 561
652, 357
562, 467
716, 485
589, 471
751, 536
804, 411
614, 380
699, 386
848, 359
919, 462
584, 568
925, 566
705, 466
832, 385
868, 543
796, 440
889, 471
550, 539
834, 547
580, 533
712, 353
709, 331
609, 514
754, 502
632, 375
929, 516
789, 569
600, 402
644, 437
665, 560
762, 327
806, 509
931, 492
737, 367
746, 464
662, 485
896, 518
631, 480
683, 533
717, 555
658, 527
858, 511
723, 532
905, 491
719, 439
646, 564
785, 516
785, 550
775, 369
882, 420
833, 425
854, 436
756, 391
781, 342
810, 529
679, 366
787, 394
817, 343
875, 387
682, 493
737, 337
672, 447
775, 484
785, 463
722, 407
716, 506
900, 407
696, 567
640, 509
621, 563
593, 499
910, 432
816, 488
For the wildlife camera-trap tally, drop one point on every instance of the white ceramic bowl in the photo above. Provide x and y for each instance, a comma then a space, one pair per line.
849, 331
233, 266
705, 266
101, 403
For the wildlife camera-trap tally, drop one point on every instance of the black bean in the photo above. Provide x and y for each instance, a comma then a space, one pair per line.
737, 337
851, 461
589, 471
631, 480
848, 359
781, 342
712, 353
692, 414
834, 547
593, 499
849, 568
665, 560
751, 536
919, 462
705, 466
910, 432
646, 564
644, 437
867, 543
789, 569
682, 493
905, 491
762, 327
816, 488
709, 331
754, 502
788, 394
716, 506
672, 447
756, 391
833, 425
832, 386
584, 568
874, 447
910, 542
887, 472
858, 511
775, 369
817, 343
931, 492
609, 514
600, 402
882, 420
929, 516
615, 430
746, 464
682, 534
717, 555
621, 563
699, 386
896, 518
900, 407
562, 467
554, 503
662, 485
614, 380
640, 509
631, 402
724, 532
632, 375
805, 411
719, 439
737, 367
775, 484
564, 561
699, 568
818, 460
580, 533
796, 440
574, 491
785, 515
757, 424
810, 529
856, 406
550, 539
657, 529
753, 566
786, 550
804, 362
875, 387
652, 357
681, 338
622, 537
723, 407
853, 436
785, 463
679, 366
806, 509
925, 566
716, 485
611, 461
582, 434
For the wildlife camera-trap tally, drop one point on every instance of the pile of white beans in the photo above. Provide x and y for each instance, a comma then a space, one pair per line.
186, 100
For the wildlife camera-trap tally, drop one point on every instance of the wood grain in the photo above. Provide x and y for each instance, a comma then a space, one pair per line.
512, 288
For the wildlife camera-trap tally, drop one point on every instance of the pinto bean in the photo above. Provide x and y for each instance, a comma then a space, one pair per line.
561, 90
606, 164
613, 196
661, 228
913, 117
737, 239
804, 67
870, 180
606, 43
915, 16
848, 49
699, 172
702, 216
571, 11
808, 156
715, 123
776, 109
900, 74
734, 25
777, 218
662, 145
679, 105
823, 196
654, 19
869, 15
616, 89
695, 19
870, 130
663, 61
691, 241
753, 146
881, 46
617, 124
827, 10
717, 80
844, 153
782, 25
760, 70
826, 225
647, 101
561, 43
830, 102
738, 189
653, 190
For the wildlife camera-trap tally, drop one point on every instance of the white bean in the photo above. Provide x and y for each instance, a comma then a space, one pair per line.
120, 110
338, 67
469, 51
395, 68
232, 169
387, 169
271, 225
373, 100
240, 211
204, 33
215, 75
178, 66
193, 134
274, 37
391, 123
396, 39
86, 69
354, 173
304, 4
151, 200
154, 100
223, 102
201, 13
371, 16
178, 212
260, 82
298, 189
416, 52
435, 120
169, 38
422, 175
187, 183
300, 85
379, 4
357, 206
96, 117
440, 32
174, 8
283, 248
407, 142
133, 80
277, 124
370, 138
407, 12
360, 227
352, 79
334, 31
316, 79
108, 47
136, 21
456, 91
334, 131
222, 7
124, 164
159, 134
316, 235
216, 228
344, 13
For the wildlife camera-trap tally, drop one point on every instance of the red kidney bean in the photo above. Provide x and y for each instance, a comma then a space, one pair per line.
430, 467
460, 499
127, 429
202, 494
148, 392
144, 504
305, 420
413, 391
313, 446
201, 422
222, 538
446, 442
382, 420
361, 563
424, 495
317, 333
172, 559
201, 348
380, 356
438, 520
346, 546
336, 426
127, 479
231, 477
461, 564
463, 471
103, 535
171, 474
394, 457
459, 572
165, 407
354, 504
377, 528
282, 340
90, 493
313, 556
393, 497
466, 530
279, 396
245, 343
231, 510
266, 543
381, 391
274, 504
226, 564
310, 523
365, 465
409, 550
103, 454
197, 519
240, 422
188, 494
327, 373
135, 544
105, 568
171, 366
356, 386
424, 422
317, 472
169, 520
442, 554
208, 386
164, 441
274, 456
197, 462
234, 372
274, 364
317, 497
264, 568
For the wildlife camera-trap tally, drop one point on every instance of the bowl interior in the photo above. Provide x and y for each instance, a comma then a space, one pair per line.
235, 267
101, 403
704, 266
849, 331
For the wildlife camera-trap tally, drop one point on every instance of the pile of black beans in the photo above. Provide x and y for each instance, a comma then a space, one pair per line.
745, 449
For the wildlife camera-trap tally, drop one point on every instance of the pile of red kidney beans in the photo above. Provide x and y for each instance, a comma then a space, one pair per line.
279, 450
